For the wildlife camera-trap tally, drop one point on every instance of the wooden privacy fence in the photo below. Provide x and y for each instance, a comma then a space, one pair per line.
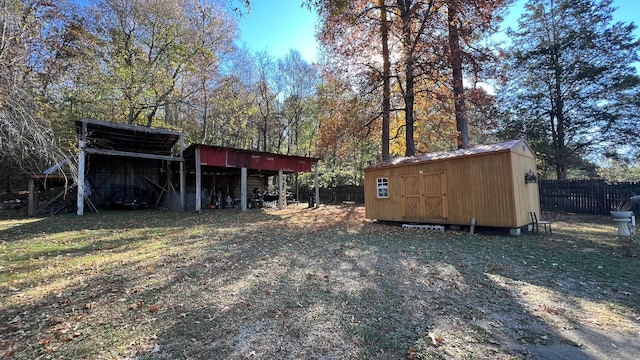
584, 196
337, 194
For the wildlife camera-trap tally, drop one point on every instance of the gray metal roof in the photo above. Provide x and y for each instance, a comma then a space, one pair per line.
450, 154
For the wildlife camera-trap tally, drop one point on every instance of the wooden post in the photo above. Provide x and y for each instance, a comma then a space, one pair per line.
281, 195
81, 165
198, 182
32, 197
243, 189
315, 183
297, 188
182, 175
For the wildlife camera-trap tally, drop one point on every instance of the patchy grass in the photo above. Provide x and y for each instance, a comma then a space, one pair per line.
311, 283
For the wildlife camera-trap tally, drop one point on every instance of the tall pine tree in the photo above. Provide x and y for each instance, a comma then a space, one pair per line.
571, 85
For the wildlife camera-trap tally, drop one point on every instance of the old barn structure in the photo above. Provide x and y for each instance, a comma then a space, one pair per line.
214, 171
130, 166
494, 184
127, 166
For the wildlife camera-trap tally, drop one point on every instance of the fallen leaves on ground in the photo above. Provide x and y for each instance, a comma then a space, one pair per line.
280, 283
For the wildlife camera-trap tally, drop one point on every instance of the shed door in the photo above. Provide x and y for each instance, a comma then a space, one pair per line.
411, 191
424, 197
435, 195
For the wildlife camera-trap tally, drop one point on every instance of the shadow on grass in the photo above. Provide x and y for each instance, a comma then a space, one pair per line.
348, 300
25, 228
263, 285
376, 294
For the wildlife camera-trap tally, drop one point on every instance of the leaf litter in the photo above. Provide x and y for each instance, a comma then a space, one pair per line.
309, 283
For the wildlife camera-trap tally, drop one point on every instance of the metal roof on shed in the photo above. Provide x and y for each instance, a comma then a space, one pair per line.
458, 153
100, 134
251, 159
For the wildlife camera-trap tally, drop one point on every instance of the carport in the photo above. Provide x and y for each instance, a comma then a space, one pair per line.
224, 160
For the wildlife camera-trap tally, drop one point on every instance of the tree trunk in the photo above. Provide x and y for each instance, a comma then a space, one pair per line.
131, 116
386, 82
558, 113
205, 112
462, 124
409, 96
560, 148
7, 184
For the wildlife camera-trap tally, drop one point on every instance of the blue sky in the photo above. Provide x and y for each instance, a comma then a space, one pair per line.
280, 25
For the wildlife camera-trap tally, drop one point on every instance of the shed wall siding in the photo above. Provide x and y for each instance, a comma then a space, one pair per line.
489, 187
526, 195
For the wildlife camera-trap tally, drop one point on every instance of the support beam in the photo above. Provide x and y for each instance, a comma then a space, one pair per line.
281, 195
182, 185
32, 197
198, 182
243, 189
183, 181
81, 171
315, 183
131, 154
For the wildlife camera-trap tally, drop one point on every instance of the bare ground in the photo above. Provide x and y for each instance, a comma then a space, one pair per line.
311, 284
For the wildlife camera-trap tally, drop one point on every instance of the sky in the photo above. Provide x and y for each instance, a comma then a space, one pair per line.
278, 26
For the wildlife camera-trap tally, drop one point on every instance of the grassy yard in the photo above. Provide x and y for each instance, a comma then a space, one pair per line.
311, 284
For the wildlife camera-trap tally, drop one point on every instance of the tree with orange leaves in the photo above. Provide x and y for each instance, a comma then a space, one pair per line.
426, 41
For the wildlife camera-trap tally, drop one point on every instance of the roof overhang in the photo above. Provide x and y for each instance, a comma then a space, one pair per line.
479, 150
224, 157
108, 138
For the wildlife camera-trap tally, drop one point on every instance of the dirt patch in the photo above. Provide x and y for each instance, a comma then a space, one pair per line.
311, 283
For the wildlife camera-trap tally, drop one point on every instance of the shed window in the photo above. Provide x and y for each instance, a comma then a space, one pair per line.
383, 187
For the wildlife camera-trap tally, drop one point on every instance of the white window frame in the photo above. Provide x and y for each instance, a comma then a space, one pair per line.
382, 188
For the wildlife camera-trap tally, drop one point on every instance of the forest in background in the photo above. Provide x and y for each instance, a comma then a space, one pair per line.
395, 78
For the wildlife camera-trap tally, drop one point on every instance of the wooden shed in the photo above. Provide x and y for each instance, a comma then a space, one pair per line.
495, 184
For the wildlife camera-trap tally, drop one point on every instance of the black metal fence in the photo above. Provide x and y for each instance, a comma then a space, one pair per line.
584, 196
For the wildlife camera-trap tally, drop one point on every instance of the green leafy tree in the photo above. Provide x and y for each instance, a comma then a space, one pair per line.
152, 57
299, 80
570, 86
27, 57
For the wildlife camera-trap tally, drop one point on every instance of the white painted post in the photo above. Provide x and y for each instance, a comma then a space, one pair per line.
281, 191
183, 181
315, 183
198, 182
243, 189
81, 165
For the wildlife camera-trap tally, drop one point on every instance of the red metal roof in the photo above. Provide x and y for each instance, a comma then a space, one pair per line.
256, 160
